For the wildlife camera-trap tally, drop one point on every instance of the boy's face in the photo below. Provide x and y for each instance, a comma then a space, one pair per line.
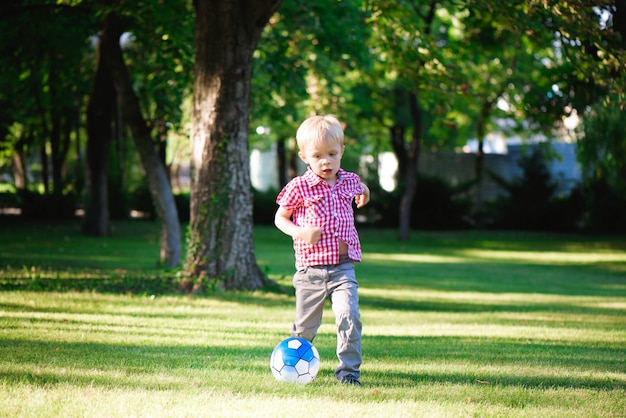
324, 158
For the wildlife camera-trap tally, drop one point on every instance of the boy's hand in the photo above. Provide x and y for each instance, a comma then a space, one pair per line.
364, 198
310, 234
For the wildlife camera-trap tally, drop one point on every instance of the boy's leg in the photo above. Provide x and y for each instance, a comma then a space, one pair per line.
311, 294
344, 296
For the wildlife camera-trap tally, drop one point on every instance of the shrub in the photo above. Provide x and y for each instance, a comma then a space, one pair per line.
35, 205
264, 206
531, 203
437, 206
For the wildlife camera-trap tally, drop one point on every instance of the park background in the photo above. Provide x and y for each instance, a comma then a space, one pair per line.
492, 282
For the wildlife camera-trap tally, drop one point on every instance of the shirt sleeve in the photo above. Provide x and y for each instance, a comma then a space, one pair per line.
355, 186
289, 197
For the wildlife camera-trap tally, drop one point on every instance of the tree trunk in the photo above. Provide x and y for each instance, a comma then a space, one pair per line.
221, 245
99, 117
281, 153
412, 158
160, 190
45, 172
481, 124
19, 171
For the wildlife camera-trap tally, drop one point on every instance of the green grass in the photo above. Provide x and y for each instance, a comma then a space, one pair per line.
455, 324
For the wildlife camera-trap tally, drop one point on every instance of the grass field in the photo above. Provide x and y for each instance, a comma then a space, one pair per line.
455, 324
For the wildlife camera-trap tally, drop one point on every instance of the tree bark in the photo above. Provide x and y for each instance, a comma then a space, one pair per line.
481, 132
411, 160
412, 156
281, 153
99, 117
221, 245
19, 171
160, 189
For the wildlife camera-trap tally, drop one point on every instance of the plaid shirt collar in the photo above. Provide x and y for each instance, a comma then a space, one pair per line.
315, 180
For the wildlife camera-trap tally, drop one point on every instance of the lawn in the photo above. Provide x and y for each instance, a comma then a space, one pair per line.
455, 324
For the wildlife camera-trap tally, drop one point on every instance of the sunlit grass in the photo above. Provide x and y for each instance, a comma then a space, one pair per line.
469, 256
452, 327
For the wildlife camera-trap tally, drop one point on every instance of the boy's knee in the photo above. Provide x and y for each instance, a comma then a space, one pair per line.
349, 322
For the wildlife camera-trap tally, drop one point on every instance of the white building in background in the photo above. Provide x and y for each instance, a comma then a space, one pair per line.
501, 156
502, 153
264, 169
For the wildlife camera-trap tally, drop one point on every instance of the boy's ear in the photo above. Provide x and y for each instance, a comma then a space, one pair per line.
302, 156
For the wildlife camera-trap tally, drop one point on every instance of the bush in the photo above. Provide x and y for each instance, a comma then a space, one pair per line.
140, 200
605, 209
531, 203
264, 206
440, 206
52, 206
436, 206
9, 200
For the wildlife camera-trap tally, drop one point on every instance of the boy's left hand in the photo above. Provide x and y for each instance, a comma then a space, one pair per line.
364, 198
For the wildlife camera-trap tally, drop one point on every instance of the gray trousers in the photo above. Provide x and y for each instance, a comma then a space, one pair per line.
338, 283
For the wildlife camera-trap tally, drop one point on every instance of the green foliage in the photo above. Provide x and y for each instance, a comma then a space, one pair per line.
44, 78
602, 147
602, 156
159, 54
308, 59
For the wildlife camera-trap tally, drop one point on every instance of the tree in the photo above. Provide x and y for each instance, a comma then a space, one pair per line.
406, 36
587, 38
220, 243
309, 59
602, 155
42, 84
100, 110
160, 189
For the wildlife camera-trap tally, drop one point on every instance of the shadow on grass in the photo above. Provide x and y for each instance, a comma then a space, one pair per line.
178, 367
500, 277
449, 305
552, 364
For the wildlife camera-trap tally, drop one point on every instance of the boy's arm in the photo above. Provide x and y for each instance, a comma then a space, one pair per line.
364, 198
307, 233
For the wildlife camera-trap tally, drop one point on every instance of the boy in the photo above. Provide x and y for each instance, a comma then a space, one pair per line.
315, 209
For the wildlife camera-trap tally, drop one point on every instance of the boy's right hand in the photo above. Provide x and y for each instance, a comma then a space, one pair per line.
310, 234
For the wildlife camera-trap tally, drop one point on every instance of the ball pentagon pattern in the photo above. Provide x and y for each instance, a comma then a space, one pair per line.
295, 360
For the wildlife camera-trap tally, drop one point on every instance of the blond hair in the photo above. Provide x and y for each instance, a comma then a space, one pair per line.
318, 129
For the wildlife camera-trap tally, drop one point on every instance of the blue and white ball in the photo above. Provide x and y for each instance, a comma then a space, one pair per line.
295, 360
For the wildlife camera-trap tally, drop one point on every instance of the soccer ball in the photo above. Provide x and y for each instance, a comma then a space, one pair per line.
295, 360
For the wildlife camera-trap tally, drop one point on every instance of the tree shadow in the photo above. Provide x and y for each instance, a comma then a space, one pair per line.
496, 277
176, 367
554, 364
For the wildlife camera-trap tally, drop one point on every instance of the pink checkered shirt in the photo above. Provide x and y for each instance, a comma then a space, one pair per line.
315, 202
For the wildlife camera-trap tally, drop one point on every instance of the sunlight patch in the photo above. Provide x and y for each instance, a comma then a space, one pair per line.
414, 258
547, 256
